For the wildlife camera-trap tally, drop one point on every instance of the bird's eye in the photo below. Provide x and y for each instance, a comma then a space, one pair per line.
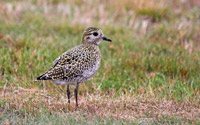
95, 34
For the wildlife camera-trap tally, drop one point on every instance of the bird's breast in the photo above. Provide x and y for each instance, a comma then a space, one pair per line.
94, 66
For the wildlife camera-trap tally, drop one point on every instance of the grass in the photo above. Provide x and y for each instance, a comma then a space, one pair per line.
78, 118
58, 118
154, 56
28, 104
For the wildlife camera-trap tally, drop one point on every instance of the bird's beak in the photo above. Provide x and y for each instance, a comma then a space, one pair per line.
105, 38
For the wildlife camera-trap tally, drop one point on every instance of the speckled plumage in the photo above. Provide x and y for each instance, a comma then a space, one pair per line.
74, 66
78, 64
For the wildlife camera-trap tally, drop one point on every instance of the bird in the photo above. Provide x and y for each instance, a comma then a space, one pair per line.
79, 64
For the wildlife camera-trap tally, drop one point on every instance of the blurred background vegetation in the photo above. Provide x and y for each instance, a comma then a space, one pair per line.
155, 50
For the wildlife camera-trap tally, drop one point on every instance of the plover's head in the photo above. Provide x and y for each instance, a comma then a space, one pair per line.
93, 35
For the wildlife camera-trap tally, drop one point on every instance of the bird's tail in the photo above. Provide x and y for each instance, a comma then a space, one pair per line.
43, 77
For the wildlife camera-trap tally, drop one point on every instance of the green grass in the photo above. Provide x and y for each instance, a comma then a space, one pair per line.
79, 118
55, 118
160, 60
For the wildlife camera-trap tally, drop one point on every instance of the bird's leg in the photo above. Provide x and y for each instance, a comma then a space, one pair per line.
76, 94
68, 94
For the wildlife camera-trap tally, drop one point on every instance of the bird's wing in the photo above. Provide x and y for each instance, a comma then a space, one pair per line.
67, 65
54, 72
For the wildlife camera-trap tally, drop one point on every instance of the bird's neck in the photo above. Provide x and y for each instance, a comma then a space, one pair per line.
92, 45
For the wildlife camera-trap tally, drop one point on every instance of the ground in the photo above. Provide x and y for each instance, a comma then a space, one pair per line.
148, 74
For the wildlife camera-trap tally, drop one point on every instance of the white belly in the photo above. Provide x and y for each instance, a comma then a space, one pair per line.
59, 82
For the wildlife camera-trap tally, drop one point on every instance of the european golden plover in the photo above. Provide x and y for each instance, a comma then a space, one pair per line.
78, 64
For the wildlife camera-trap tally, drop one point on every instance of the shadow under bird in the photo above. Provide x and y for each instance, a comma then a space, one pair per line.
78, 64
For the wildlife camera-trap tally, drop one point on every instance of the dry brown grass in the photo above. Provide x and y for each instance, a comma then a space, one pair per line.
121, 12
125, 107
